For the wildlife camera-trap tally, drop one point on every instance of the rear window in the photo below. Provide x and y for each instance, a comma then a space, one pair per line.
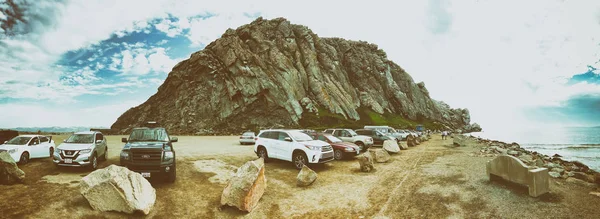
271, 135
248, 134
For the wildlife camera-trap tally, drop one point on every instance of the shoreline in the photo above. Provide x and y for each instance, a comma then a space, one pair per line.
557, 166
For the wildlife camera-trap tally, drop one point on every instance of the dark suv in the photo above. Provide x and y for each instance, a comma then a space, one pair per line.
149, 151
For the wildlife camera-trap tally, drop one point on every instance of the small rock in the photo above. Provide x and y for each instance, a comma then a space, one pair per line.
366, 162
539, 162
584, 177
597, 194
556, 155
381, 156
570, 174
581, 182
558, 170
554, 174
513, 153
526, 158
306, 176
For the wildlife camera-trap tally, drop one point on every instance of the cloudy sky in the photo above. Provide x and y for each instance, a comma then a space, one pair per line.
511, 63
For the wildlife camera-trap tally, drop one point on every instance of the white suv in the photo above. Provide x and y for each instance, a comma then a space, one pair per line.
292, 145
348, 135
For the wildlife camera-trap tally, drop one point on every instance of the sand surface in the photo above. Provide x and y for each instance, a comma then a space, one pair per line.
432, 180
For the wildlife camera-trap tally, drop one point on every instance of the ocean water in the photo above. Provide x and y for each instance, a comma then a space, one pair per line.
576, 143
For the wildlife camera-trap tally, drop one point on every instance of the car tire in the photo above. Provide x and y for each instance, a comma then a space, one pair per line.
94, 162
338, 154
262, 152
360, 145
51, 152
24, 159
105, 156
170, 177
299, 159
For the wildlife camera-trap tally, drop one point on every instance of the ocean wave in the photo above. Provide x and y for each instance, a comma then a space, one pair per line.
561, 146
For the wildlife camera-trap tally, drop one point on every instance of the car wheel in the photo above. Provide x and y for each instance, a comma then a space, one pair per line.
262, 152
94, 162
24, 158
51, 151
338, 154
172, 175
299, 160
360, 145
105, 156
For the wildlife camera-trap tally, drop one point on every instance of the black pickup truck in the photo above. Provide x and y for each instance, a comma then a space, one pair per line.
149, 151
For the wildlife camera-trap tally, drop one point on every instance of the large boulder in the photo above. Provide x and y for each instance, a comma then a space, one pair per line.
410, 141
459, 140
380, 155
403, 145
391, 146
366, 162
9, 171
246, 187
306, 176
116, 188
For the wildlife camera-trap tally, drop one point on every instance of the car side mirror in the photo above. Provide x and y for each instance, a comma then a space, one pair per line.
174, 139
124, 140
98, 141
288, 139
5, 142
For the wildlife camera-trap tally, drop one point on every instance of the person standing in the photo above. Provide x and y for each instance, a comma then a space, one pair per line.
444, 135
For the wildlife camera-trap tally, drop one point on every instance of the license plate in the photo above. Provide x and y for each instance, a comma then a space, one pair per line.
67, 160
146, 175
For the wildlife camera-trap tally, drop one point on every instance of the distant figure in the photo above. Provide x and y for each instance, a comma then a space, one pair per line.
444, 135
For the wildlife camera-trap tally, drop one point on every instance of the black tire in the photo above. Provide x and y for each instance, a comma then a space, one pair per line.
105, 155
360, 145
338, 154
24, 158
299, 159
51, 152
93, 161
262, 152
171, 176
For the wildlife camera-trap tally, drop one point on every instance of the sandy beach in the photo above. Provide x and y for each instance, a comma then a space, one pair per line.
432, 180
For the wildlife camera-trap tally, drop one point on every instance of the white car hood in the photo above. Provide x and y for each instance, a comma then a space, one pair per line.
317, 143
9, 146
74, 146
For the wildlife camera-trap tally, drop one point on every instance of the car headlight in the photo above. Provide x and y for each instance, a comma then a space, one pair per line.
11, 151
349, 149
313, 148
168, 155
124, 155
85, 151
58, 151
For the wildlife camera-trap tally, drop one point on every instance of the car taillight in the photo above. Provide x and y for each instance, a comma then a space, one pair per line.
256, 139
241, 137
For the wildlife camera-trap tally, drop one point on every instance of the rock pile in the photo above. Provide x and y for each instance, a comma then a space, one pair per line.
558, 167
116, 188
9, 171
246, 187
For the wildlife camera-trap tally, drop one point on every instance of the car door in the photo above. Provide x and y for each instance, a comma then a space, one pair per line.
284, 147
344, 135
44, 146
35, 148
100, 146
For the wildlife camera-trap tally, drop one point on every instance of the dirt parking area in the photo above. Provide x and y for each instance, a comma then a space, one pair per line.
432, 180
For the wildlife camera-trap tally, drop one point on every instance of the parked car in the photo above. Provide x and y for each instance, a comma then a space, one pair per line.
82, 149
378, 137
386, 130
341, 149
25, 147
247, 138
348, 135
292, 145
149, 151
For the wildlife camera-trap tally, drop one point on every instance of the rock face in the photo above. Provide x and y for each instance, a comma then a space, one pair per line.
306, 176
274, 73
366, 162
246, 187
391, 146
9, 171
380, 155
116, 188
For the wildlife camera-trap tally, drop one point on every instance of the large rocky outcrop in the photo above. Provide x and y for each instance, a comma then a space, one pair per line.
9, 171
272, 73
116, 188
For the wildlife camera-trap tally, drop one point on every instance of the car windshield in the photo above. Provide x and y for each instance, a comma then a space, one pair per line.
333, 138
80, 138
352, 132
155, 134
299, 136
19, 140
248, 134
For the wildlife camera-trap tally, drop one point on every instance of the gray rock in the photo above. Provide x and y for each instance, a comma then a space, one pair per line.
306, 176
526, 158
366, 162
380, 155
116, 188
554, 174
539, 162
391, 146
246, 187
294, 71
558, 170
9, 171
513, 153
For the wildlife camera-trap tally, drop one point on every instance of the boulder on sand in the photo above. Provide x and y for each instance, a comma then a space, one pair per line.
306, 176
116, 188
391, 146
460, 140
410, 141
246, 187
403, 145
380, 155
9, 171
366, 162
